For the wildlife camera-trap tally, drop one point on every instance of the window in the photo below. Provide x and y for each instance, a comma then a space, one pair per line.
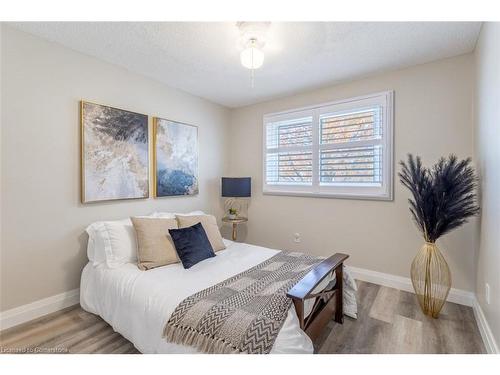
341, 149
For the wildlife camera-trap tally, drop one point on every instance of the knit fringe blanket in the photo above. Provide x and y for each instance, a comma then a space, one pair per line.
242, 314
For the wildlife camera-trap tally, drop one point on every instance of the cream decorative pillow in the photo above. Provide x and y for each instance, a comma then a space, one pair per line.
209, 223
154, 244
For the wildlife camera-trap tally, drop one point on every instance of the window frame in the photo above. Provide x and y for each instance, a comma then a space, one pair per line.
383, 99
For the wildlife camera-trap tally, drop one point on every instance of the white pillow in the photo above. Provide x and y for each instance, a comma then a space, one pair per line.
112, 242
171, 215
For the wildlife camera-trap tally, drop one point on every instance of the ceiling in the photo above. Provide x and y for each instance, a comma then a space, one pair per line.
202, 58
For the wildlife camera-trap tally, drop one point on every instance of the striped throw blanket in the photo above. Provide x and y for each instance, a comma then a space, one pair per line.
242, 314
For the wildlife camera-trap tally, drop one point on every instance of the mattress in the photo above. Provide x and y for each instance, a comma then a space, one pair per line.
138, 304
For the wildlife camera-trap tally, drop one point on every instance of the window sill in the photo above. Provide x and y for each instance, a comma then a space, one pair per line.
331, 195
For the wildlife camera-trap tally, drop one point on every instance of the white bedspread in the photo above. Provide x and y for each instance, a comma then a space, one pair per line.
137, 304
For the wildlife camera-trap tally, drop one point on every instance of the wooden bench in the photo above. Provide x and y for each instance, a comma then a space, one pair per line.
327, 304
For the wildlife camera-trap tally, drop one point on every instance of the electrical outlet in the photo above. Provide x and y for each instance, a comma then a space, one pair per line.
296, 238
487, 293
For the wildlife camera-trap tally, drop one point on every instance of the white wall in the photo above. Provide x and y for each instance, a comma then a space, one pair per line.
487, 151
433, 117
43, 242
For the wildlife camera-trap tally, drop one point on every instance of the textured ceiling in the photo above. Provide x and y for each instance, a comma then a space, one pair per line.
203, 58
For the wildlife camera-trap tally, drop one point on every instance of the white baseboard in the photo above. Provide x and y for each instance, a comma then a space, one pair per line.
484, 329
459, 296
25, 313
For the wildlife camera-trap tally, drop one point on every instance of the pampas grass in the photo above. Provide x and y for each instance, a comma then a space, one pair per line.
443, 196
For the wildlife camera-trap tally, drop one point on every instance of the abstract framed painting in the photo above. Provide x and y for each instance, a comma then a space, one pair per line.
175, 158
114, 153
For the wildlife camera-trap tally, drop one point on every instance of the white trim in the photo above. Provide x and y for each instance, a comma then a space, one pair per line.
383, 99
462, 297
30, 311
315, 106
309, 194
37, 309
459, 296
484, 328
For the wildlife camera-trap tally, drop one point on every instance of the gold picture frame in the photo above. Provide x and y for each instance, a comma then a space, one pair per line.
175, 191
110, 136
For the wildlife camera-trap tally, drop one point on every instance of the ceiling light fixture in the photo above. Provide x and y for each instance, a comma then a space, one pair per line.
252, 57
252, 40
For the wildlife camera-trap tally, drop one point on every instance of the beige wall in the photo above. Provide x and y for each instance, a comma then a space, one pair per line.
487, 150
43, 245
42, 235
433, 117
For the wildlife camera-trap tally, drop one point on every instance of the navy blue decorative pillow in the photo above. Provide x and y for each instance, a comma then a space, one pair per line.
192, 245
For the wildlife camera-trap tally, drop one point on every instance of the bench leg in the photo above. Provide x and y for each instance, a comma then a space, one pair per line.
299, 309
339, 296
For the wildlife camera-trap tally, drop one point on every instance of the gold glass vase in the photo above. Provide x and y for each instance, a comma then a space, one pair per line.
431, 279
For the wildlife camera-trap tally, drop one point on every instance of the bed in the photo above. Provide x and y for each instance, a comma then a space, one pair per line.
138, 304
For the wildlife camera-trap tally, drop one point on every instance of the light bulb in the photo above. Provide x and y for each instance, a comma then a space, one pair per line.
252, 57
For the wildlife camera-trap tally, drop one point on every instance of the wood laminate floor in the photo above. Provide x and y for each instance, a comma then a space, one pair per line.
389, 321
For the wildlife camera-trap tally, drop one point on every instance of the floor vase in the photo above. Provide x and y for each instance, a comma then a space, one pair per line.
431, 279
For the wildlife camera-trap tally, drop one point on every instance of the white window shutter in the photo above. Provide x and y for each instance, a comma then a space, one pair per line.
289, 152
341, 149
